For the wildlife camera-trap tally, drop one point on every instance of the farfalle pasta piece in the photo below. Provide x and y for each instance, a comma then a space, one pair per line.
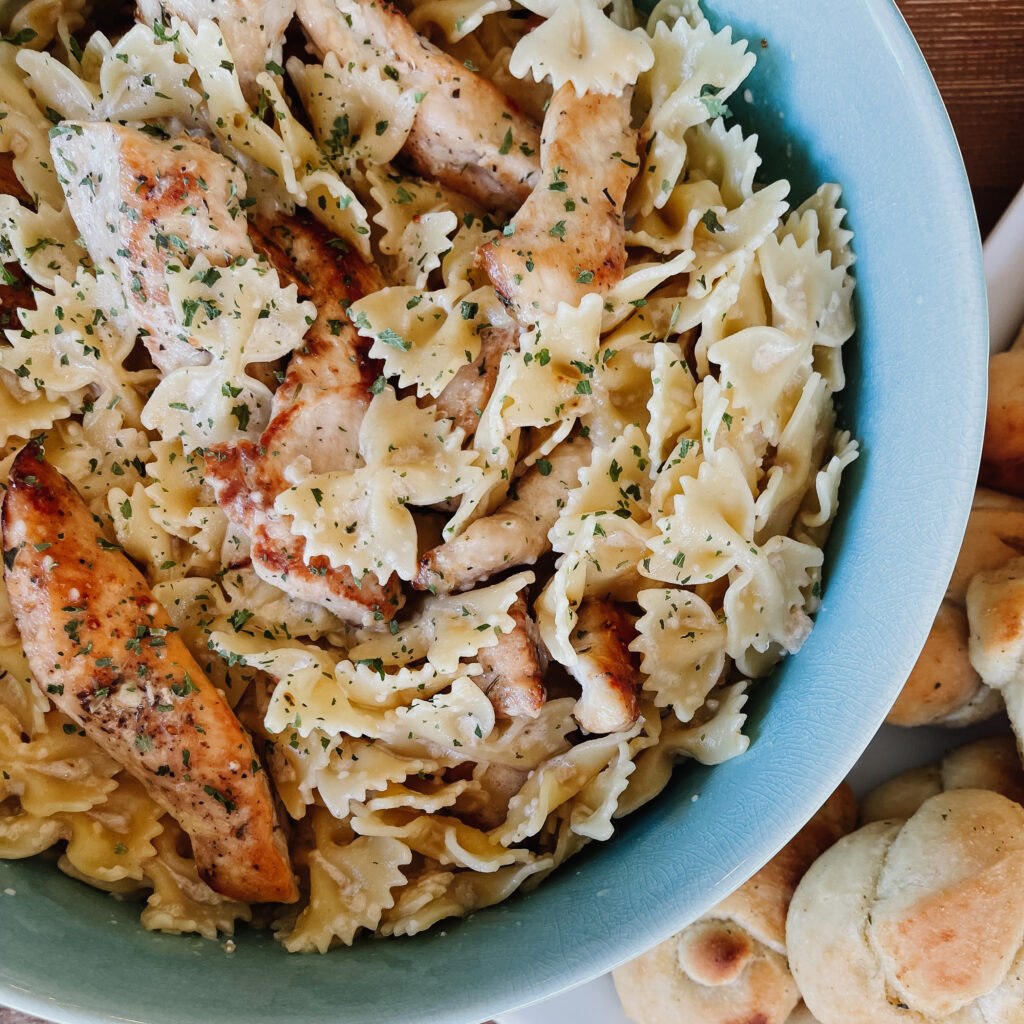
455, 18
26, 835
358, 766
444, 839
673, 226
578, 43
432, 796
520, 743
821, 504
253, 32
638, 282
614, 484
240, 315
360, 518
765, 605
437, 895
186, 510
809, 296
138, 532
98, 453
285, 148
450, 720
548, 382
682, 643
22, 415
819, 219
694, 72
602, 532
138, 79
56, 770
18, 692
350, 885
799, 451
39, 22
77, 340
181, 903
623, 383
556, 781
308, 695
711, 528
360, 116
725, 157
761, 364
24, 134
671, 402
370, 687
724, 238
44, 241
41, 236
593, 808
447, 629
424, 338
714, 736
112, 841
417, 218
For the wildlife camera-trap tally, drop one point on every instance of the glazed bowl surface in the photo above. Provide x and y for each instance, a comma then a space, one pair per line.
840, 93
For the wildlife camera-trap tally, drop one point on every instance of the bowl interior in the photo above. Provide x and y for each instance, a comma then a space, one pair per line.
840, 93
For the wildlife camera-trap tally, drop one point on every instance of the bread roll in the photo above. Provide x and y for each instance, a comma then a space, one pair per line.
917, 921
995, 611
991, 763
944, 688
730, 965
1002, 456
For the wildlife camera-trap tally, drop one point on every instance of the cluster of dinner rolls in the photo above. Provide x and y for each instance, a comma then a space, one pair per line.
917, 917
945, 686
968, 666
730, 966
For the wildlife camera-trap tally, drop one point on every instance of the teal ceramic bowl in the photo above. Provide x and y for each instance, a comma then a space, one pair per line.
841, 93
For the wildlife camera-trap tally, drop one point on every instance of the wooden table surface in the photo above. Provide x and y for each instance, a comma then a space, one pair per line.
976, 52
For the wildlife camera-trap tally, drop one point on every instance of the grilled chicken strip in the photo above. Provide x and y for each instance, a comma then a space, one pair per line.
514, 668
253, 30
141, 203
106, 653
569, 237
466, 394
610, 701
515, 534
315, 413
467, 135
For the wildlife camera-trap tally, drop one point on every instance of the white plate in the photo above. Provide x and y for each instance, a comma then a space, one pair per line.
893, 750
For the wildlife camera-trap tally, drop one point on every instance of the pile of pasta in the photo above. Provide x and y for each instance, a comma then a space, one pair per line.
703, 381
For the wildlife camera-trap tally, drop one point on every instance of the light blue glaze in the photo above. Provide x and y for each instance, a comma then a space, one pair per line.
860, 108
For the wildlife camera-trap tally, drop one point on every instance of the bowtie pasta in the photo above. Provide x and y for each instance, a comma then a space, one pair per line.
464, 390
